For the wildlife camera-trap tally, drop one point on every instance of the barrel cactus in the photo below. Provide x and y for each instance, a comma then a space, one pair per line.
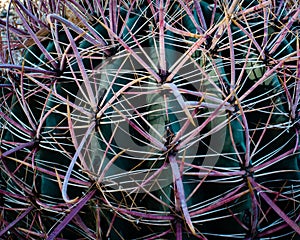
164, 119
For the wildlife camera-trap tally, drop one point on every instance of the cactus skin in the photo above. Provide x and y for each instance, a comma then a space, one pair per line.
250, 56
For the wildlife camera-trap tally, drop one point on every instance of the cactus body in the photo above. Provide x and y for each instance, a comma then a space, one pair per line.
152, 120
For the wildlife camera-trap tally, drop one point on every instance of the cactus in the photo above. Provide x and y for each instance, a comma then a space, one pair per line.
150, 120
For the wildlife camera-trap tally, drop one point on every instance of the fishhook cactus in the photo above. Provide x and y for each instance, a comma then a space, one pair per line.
164, 119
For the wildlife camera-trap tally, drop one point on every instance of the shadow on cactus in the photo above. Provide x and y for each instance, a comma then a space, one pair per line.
150, 120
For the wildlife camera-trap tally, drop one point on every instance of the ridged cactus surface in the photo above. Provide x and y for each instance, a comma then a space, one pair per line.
165, 119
